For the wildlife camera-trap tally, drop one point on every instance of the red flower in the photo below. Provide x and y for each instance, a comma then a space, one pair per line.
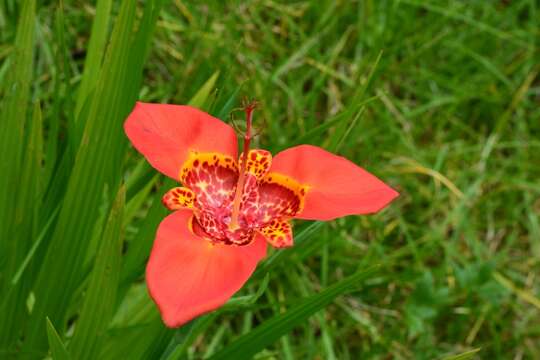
227, 211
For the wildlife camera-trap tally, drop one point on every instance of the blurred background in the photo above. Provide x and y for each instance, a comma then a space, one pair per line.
440, 99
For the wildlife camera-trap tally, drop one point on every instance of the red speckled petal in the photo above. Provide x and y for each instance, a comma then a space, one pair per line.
279, 197
188, 276
278, 233
165, 134
212, 177
258, 162
336, 186
178, 198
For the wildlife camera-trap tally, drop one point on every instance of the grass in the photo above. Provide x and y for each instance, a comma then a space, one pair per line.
438, 98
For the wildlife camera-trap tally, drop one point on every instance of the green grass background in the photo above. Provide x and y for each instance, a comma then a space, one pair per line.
438, 98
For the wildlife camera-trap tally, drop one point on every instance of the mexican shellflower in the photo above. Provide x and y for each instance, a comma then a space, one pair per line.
229, 207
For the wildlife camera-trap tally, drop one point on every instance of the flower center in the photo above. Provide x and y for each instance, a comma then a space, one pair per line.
233, 201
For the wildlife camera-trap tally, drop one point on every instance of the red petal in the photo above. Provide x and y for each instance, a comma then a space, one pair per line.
188, 276
165, 134
336, 186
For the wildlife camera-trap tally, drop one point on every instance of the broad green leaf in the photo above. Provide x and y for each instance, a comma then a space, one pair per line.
24, 229
137, 201
16, 225
96, 49
271, 330
96, 171
13, 113
57, 347
143, 341
62, 98
100, 299
139, 247
139, 177
34, 247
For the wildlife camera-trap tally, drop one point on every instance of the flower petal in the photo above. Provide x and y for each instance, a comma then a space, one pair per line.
258, 162
178, 198
165, 134
188, 276
278, 233
280, 196
335, 186
212, 177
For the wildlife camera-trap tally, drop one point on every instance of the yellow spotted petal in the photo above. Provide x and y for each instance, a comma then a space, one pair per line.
178, 198
258, 162
278, 233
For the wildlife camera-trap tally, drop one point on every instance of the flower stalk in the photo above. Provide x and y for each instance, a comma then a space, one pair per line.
249, 108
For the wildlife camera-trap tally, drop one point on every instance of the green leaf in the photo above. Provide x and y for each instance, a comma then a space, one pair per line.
96, 49
136, 342
58, 350
354, 110
34, 247
13, 118
271, 330
300, 245
463, 356
97, 170
246, 300
24, 230
100, 300
186, 335
136, 203
139, 247
199, 99
16, 224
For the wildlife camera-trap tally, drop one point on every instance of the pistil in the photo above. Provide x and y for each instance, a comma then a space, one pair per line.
242, 176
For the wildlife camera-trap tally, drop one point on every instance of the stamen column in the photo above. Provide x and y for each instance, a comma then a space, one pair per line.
242, 176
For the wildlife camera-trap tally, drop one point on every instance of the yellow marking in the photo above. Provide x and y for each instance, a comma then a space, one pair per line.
178, 198
258, 166
299, 190
197, 159
278, 233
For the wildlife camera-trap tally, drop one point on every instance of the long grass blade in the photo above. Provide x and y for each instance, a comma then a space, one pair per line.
13, 118
97, 171
17, 185
94, 57
100, 300
271, 330
58, 349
